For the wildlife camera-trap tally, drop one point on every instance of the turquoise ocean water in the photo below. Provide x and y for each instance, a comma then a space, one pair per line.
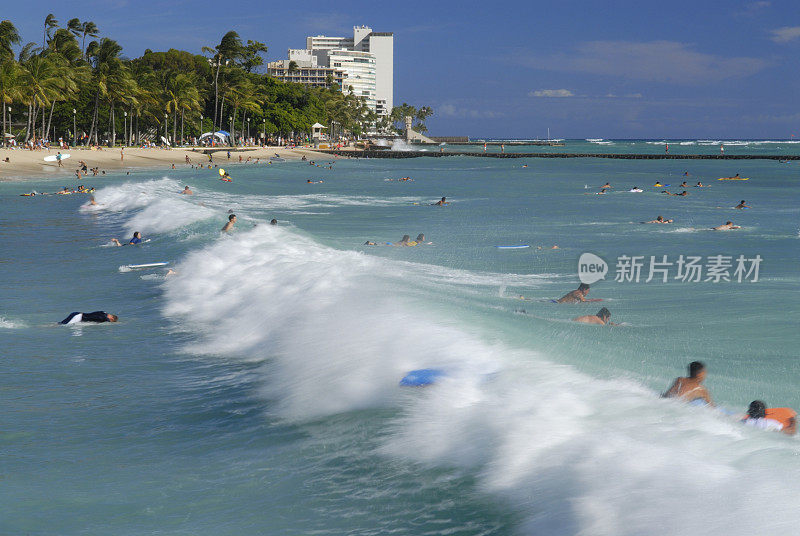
256, 391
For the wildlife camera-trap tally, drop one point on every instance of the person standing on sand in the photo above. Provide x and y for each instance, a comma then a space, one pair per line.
58, 158
121, 154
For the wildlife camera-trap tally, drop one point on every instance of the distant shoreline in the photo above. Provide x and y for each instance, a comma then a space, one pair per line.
620, 156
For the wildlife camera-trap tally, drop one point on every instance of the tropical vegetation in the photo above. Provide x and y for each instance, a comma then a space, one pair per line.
79, 86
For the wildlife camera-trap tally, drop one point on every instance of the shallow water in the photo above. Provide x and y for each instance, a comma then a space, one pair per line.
255, 391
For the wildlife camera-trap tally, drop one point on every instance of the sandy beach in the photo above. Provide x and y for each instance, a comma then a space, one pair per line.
24, 164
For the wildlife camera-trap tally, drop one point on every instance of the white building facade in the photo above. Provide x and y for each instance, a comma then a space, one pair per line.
366, 59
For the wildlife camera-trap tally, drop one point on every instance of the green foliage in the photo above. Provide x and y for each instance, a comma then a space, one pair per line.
161, 89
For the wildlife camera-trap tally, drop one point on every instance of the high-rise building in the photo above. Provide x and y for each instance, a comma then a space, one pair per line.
305, 70
366, 59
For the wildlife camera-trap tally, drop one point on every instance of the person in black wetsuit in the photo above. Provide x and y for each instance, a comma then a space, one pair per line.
95, 316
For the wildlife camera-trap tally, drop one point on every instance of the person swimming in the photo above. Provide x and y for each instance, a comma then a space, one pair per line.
273, 221
779, 419
137, 239
442, 202
602, 318
636, 189
741, 204
727, 226
421, 240
690, 388
95, 316
682, 194
187, 191
577, 295
699, 185
229, 224
658, 219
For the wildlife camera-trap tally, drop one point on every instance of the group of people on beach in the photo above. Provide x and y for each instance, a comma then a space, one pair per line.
692, 390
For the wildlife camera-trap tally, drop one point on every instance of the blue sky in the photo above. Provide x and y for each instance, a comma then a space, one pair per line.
700, 69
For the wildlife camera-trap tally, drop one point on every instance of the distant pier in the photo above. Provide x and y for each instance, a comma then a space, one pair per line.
619, 156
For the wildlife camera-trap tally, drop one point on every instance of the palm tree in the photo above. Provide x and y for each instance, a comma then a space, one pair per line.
42, 79
50, 22
182, 95
229, 49
75, 27
88, 29
104, 58
8, 36
11, 88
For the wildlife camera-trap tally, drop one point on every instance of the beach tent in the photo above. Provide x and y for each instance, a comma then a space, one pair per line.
10, 135
220, 135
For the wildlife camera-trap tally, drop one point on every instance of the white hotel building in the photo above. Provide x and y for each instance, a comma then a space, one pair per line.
366, 60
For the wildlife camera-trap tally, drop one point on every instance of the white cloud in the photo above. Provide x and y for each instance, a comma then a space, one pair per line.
654, 61
451, 110
785, 34
551, 93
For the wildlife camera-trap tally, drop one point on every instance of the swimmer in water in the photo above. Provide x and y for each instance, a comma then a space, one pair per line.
699, 185
760, 416
606, 186
726, 227
273, 221
741, 204
96, 316
92, 201
690, 388
137, 239
658, 185
576, 296
442, 202
421, 239
682, 194
658, 219
187, 191
683, 185
403, 241
602, 318
230, 223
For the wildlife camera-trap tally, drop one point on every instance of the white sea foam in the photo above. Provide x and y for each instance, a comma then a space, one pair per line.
576, 455
9, 324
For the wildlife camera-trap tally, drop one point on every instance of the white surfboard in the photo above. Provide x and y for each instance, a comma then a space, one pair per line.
54, 157
141, 266
513, 247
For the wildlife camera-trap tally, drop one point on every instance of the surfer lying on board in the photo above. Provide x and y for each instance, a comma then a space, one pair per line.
658, 219
690, 388
760, 416
442, 202
96, 316
682, 194
602, 317
137, 239
741, 204
726, 227
577, 295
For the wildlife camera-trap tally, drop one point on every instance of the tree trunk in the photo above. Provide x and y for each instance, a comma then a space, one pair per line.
233, 124
3, 102
50, 119
113, 118
216, 93
174, 128
92, 128
181, 124
28, 123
